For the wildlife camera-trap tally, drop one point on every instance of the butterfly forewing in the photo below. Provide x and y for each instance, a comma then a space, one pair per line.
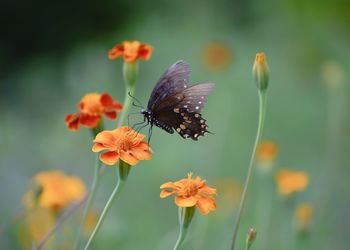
174, 79
195, 96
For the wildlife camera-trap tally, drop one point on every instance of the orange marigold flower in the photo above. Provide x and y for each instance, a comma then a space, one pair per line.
123, 143
216, 56
303, 214
289, 182
267, 151
191, 192
91, 107
131, 51
57, 190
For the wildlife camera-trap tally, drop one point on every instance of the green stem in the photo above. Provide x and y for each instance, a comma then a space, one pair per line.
130, 71
91, 197
124, 169
262, 109
185, 218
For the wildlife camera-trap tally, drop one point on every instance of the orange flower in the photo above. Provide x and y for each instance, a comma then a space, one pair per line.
267, 151
191, 192
303, 214
57, 190
123, 143
91, 107
131, 51
216, 56
289, 182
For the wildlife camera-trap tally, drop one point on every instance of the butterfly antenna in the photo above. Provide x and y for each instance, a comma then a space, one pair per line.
134, 98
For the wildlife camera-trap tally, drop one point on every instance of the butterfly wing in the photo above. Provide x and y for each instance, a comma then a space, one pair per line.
181, 111
174, 79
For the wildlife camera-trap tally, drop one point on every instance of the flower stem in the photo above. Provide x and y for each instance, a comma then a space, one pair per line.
130, 70
185, 218
262, 109
124, 169
90, 198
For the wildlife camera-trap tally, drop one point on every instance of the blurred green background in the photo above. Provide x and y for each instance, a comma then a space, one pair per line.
52, 53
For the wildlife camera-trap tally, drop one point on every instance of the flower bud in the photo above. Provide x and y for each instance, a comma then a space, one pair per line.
251, 235
261, 71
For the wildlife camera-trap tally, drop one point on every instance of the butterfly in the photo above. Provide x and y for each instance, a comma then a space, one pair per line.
175, 106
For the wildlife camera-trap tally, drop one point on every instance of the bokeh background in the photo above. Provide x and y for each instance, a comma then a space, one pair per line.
52, 53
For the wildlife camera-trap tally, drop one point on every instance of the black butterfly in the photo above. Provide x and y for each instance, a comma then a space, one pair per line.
173, 105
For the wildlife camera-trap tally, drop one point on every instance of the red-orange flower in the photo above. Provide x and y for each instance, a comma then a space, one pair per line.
92, 106
123, 143
131, 51
191, 192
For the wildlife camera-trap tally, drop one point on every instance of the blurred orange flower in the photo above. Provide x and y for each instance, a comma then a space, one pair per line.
131, 51
91, 107
303, 214
289, 182
216, 56
123, 143
191, 192
267, 151
57, 190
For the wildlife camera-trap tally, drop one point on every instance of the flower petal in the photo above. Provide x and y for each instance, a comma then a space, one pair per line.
98, 147
109, 158
116, 52
72, 121
129, 158
89, 121
145, 52
165, 193
104, 137
168, 185
185, 201
106, 100
207, 190
141, 153
111, 114
206, 204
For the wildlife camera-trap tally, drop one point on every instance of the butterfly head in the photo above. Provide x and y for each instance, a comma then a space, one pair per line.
147, 114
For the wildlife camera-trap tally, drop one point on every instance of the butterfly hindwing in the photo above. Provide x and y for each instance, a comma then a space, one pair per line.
187, 124
174, 79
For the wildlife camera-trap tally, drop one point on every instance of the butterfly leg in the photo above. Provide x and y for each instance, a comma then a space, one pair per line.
150, 130
140, 123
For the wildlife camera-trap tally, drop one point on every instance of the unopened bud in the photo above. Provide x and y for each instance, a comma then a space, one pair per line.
261, 71
251, 235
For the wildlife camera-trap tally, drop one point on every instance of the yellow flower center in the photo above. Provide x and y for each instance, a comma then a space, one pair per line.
190, 189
